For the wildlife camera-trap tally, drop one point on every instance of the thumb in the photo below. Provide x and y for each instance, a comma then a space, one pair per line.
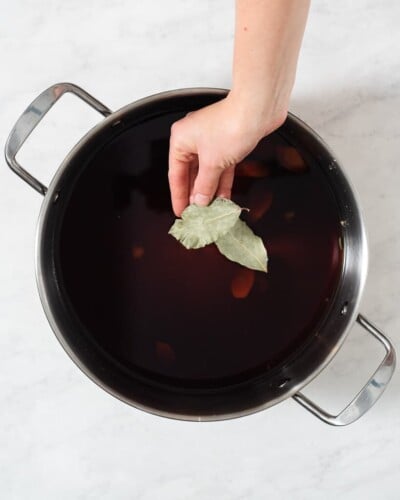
205, 184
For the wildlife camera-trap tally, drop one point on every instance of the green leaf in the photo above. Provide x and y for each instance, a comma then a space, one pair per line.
219, 223
241, 245
200, 226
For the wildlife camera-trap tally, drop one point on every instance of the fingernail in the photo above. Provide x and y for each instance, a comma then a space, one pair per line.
201, 199
226, 195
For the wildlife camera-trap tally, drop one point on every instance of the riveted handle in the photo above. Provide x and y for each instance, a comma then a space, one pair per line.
30, 119
369, 394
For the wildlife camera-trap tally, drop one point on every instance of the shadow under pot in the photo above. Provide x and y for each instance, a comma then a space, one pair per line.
189, 334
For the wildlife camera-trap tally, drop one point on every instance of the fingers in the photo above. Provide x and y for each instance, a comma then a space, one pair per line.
182, 165
192, 178
193, 169
206, 184
178, 177
191, 184
225, 183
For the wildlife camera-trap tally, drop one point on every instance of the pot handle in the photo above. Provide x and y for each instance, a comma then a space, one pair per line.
369, 394
32, 116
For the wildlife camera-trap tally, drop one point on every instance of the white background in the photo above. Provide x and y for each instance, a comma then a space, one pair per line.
60, 435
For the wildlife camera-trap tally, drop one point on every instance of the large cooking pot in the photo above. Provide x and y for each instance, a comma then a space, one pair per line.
171, 331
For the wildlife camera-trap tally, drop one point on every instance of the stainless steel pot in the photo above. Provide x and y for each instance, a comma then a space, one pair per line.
242, 400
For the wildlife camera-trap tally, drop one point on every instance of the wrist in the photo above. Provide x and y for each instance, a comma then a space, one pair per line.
261, 109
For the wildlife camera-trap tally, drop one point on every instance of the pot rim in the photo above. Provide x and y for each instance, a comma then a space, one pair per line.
361, 262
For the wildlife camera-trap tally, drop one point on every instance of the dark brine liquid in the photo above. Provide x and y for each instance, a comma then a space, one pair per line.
192, 318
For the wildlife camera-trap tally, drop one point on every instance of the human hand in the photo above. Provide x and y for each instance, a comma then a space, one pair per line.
206, 145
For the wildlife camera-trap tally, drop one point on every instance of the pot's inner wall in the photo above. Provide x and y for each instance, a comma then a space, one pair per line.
193, 318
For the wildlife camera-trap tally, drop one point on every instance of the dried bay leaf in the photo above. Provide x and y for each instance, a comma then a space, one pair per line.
200, 226
219, 223
241, 245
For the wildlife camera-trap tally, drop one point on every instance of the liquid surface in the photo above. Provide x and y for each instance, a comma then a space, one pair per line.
191, 317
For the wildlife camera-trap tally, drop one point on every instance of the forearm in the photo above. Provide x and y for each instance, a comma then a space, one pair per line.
268, 35
206, 145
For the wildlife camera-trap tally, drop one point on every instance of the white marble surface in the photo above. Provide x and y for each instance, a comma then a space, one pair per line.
60, 435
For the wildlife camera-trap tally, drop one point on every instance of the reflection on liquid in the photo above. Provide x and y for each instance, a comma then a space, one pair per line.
242, 283
291, 159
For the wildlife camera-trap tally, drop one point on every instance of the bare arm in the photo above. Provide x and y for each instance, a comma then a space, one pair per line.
268, 34
206, 145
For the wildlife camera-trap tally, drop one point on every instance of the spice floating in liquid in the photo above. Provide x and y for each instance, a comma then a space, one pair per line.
219, 223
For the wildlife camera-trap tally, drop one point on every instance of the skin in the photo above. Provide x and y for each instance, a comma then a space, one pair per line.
206, 145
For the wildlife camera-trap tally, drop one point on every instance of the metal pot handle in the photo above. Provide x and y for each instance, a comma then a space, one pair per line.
369, 394
32, 116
